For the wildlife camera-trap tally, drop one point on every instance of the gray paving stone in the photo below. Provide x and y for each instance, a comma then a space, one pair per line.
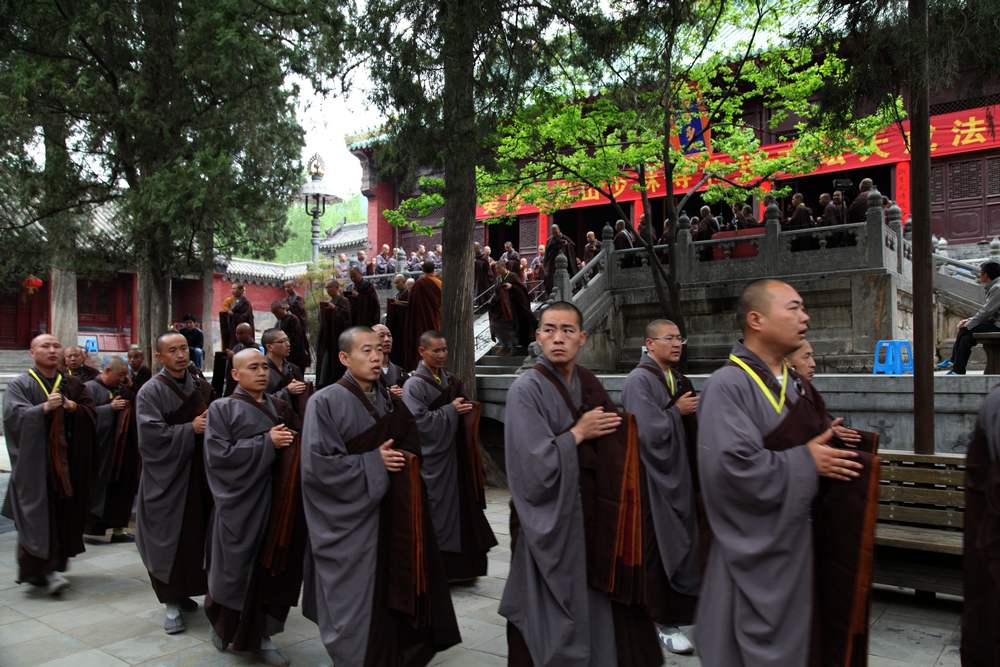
151, 645
91, 658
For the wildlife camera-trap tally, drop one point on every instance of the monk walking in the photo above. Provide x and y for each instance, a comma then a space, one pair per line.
664, 404
48, 421
374, 581
251, 460
392, 375
764, 442
423, 313
450, 462
174, 500
572, 596
116, 442
334, 319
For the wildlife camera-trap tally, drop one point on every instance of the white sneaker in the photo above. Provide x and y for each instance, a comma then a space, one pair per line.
57, 583
674, 640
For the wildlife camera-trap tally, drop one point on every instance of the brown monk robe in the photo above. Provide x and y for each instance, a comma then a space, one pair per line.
365, 310
138, 371
116, 468
424, 314
395, 321
981, 544
252, 456
285, 380
334, 319
792, 513
450, 464
373, 579
574, 595
75, 364
175, 504
294, 328
480, 269
558, 244
48, 421
240, 311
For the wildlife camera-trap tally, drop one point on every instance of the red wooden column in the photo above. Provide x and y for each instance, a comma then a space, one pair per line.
134, 336
902, 190
543, 229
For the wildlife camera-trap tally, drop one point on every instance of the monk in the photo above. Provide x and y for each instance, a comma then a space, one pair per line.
423, 314
240, 311
174, 500
393, 376
480, 269
252, 464
295, 303
364, 300
765, 441
374, 581
285, 380
115, 426
244, 340
558, 244
334, 319
396, 310
294, 329
138, 371
48, 421
664, 404
75, 363
450, 463
562, 601
510, 312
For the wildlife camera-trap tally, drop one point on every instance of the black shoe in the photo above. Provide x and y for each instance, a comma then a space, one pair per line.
96, 539
121, 538
187, 604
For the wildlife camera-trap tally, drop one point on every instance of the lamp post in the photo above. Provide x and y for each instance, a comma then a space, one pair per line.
316, 194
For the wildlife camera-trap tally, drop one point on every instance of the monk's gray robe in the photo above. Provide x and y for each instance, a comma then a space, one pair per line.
663, 450
166, 452
239, 456
756, 606
563, 620
439, 462
341, 495
107, 421
392, 375
27, 433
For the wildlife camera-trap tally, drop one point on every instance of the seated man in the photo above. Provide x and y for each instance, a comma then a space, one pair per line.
984, 321
195, 340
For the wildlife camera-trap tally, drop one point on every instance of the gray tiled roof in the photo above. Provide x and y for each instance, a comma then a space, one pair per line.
346, 236
255, 270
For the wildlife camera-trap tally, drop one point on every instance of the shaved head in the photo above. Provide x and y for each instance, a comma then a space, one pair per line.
562, 306
346, 340
380, 328
163, 339
757, 297
428, 337
243, 357
40, 338
114, 364
656, 327
243, 327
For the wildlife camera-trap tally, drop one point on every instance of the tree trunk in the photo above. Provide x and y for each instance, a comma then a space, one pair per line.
60, 232
208, 293
920, 172
673, 280
458, 31
146, 338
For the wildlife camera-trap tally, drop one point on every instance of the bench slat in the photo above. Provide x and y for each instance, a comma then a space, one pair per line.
919, 539
918, 515
895, 456
915, 494
942, 476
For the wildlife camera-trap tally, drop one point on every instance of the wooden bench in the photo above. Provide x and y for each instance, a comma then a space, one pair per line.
918, 537
991, 344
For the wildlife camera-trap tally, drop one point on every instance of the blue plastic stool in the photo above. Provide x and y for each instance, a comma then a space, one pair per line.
893, 363
90, 344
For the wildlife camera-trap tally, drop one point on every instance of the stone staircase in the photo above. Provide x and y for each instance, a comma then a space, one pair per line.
13, 362
494, 364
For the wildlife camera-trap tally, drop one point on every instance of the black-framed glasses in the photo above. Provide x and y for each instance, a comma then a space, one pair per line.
670, 339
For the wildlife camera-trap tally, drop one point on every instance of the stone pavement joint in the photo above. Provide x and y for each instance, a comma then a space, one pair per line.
109, 617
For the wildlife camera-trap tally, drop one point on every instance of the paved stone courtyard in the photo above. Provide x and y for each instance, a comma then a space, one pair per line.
110, 618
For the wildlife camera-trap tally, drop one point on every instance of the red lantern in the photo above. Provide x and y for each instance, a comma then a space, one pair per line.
31, 284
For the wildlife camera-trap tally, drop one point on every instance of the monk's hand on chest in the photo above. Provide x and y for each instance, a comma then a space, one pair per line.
281, 436
687, 404
830, 461
393, 459
595, 423
198, 424
52, 402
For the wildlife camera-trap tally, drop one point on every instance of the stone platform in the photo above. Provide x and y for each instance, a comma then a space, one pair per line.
110, 618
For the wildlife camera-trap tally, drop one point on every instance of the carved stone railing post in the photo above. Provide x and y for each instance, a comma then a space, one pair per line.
682, 252
561, 280
772, 252
875, 234
608, 249
894, 218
